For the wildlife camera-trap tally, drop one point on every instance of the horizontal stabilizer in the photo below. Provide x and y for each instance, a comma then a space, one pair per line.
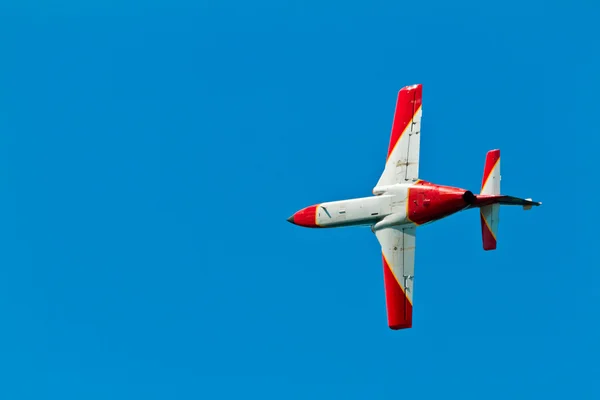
490, 193
490, 217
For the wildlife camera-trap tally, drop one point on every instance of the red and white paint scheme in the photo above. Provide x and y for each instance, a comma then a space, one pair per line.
402, 202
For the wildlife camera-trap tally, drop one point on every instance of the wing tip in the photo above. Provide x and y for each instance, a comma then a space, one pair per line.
412, 87
417, 89
397, 327
398, 305
488, 236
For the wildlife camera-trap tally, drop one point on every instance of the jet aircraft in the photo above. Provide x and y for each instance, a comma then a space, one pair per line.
401, 202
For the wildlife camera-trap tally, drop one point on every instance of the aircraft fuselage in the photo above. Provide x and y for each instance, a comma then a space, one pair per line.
393, 205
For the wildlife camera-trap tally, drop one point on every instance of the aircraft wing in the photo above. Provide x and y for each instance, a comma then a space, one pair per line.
398, 248
402, 163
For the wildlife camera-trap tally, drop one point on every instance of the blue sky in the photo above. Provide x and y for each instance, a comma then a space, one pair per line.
150, 153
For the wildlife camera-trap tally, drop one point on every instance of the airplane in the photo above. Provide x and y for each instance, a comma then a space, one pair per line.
401, 202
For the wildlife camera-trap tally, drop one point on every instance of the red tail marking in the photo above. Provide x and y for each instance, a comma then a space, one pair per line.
489, 241
491, 159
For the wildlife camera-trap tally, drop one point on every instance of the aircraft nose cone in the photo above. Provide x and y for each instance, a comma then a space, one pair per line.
306, 217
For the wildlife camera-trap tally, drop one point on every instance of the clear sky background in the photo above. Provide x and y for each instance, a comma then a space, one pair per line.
150, 153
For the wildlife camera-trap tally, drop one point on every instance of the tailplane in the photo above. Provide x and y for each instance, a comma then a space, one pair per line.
490, 199
490, 186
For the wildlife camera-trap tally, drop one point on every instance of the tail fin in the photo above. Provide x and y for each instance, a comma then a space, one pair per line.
490, 185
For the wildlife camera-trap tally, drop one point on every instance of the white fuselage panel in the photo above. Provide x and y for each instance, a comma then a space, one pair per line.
365, 210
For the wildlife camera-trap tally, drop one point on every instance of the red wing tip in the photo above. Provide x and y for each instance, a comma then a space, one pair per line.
398, 327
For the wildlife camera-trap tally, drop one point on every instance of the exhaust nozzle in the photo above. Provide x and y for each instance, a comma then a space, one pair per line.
469, 197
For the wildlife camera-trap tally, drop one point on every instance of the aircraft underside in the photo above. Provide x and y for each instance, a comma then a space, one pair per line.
401, 202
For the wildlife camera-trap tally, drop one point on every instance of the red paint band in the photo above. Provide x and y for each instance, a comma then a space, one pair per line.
491, 159
399, 308
489, 241
408, 103
429, 202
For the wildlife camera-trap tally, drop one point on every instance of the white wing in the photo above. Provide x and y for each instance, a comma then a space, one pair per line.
402, 164
398, 248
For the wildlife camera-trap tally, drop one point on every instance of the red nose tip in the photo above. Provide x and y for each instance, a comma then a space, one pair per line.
306, 217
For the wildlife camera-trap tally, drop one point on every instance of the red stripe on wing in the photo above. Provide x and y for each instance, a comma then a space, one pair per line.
409, 101
399, 309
